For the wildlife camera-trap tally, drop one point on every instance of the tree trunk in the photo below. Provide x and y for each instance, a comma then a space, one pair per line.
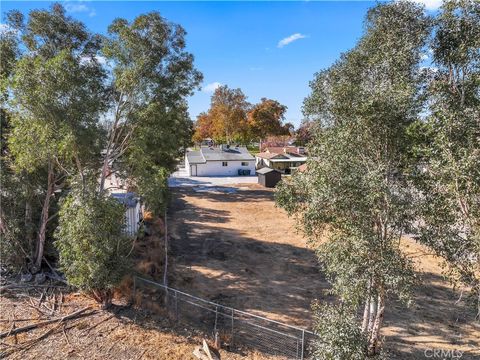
372, 313
366, 315
366, 310
373, 344
44, 218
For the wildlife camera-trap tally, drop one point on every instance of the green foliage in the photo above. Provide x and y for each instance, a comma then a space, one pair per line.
90, 241
151, 76
354, 201
55, 87
340, 338
448, 146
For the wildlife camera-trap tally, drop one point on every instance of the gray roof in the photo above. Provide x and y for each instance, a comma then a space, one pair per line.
266, 170
224, 154
195, 157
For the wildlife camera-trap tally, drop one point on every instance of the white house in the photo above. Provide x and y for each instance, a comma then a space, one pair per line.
221, 160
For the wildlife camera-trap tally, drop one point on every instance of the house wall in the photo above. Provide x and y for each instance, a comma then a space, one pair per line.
187, 166
215, 168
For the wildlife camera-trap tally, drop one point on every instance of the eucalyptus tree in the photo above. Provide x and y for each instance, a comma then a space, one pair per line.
56, 89
10, 200
146, 127
354, 201
151, 74
450, 153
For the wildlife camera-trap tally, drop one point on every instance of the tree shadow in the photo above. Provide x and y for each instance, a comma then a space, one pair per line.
436, 320
280, 281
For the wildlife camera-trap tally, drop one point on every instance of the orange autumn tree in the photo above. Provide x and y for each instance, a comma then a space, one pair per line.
265, 118
231, 118
203, 127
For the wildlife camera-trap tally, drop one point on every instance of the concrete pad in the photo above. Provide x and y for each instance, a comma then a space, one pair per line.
181, 179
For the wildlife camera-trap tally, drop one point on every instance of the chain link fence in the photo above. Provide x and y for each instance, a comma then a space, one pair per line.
234, 328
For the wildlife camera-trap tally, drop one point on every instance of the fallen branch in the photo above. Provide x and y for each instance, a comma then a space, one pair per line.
43, 323
96, 324
16, 320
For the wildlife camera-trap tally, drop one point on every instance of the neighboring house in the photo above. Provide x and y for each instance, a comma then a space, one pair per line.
220, 160
277, 141
284, 159
302, 168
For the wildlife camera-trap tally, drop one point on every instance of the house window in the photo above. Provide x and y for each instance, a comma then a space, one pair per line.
224, 163
244, 163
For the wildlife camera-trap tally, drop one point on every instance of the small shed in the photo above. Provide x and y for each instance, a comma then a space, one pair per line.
268, 177
133, 211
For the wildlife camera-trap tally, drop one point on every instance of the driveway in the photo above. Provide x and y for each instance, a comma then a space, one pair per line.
180, 178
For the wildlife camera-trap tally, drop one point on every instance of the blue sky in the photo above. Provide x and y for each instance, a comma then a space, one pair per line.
268, 49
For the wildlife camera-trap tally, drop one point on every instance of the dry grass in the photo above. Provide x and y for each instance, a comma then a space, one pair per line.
120, 333
240, 250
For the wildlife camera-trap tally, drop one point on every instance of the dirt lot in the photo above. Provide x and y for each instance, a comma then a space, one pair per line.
236, 248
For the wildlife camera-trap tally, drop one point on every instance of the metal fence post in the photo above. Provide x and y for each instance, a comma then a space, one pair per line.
303, 344
176, 306
216, 317
232, 326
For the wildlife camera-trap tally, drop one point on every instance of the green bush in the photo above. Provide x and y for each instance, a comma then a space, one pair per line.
339, 334
91, 244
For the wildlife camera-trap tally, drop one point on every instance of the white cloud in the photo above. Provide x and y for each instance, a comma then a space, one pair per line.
211, 87
290, 39
430, 4
424, 57
75, 8
79, 7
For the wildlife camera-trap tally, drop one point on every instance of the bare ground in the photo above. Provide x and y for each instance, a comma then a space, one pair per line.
122, 332
238, 249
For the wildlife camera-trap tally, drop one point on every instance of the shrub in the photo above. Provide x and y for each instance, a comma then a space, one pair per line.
339, 334
92, 247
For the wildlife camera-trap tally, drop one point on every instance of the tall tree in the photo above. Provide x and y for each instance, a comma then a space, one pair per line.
354, 201
203, 127
450, 153
304, 132
265, 118
56, 99
151, 74
228, 111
